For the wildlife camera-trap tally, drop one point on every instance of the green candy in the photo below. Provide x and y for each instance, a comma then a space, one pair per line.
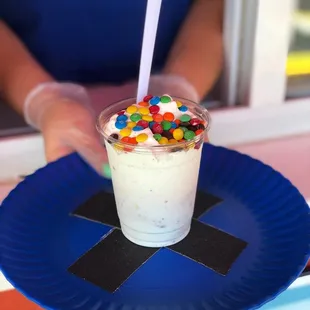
185, 118
184, 129
135, 117
189, 135
166, 125
165, 99
157, 136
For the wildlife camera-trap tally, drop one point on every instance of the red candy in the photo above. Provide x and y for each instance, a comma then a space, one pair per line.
121, 112
195, 121
133, 140
157, 128
147, 98
198, 132
143, 123
154, 109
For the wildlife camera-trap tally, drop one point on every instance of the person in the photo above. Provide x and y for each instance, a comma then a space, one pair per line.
61, 62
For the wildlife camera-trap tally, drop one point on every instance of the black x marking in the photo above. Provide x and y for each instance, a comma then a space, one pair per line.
114, 259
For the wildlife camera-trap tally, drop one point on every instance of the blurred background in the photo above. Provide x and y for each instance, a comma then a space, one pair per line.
260, 106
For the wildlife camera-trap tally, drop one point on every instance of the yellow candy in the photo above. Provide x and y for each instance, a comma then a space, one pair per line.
178, 134
118, 147
131, 124
191, 145
179, 104
141, 137
163, 140
144, 111
125, 132
173, 141
147, 118
131, 109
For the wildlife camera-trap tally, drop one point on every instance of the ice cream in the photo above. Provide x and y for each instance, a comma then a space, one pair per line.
154, 149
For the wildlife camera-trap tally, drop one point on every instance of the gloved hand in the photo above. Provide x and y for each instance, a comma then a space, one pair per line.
62, 112
160, 84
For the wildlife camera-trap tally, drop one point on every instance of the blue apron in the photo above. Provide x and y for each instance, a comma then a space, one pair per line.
91, 41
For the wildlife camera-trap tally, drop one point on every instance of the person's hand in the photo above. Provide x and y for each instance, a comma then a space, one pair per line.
63, 114
103, 95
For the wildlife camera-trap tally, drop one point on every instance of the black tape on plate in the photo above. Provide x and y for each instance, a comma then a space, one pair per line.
114, 259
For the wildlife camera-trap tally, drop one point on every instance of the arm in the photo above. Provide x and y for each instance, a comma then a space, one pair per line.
198, 50
19, 72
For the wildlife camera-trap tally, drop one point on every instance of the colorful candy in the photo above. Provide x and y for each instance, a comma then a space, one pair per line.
157, 136
131, 109
185, 118
165, 99
154, 101
167, 134
154, 109
168, 116
125, 132
195, 121
142, 137
135, 117
179, 104
143, 104
189, 135
143, 123
137, 128
147, 118
131, 124
150, 116
120, 124
147, 98
163, 140
183, 108
144, 111
178, 134
122, 118
166, 125
157, 128
158, 118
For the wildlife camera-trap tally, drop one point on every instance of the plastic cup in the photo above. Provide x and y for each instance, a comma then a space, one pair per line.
154, 186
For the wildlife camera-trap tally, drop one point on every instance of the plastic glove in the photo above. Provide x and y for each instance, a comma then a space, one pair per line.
160, 84
63, 114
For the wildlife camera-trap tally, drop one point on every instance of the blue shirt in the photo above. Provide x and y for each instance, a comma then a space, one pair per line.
91, 41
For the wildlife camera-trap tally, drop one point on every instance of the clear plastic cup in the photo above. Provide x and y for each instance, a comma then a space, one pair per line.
154, 186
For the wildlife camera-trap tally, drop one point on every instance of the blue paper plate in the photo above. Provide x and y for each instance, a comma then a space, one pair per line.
39, 240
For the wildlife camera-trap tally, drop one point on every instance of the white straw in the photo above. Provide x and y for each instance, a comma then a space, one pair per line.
148, 43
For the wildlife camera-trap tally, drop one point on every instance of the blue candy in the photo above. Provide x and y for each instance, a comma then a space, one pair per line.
174, 125
154, 101
151, 124
120, 124
121, 118
137, 128
183, 108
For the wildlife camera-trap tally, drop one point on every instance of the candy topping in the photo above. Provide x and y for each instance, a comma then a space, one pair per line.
157, 120
154, 109
168, 116
131, 109
185, 118
165, 99
154, 101
125, 132
135, 117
